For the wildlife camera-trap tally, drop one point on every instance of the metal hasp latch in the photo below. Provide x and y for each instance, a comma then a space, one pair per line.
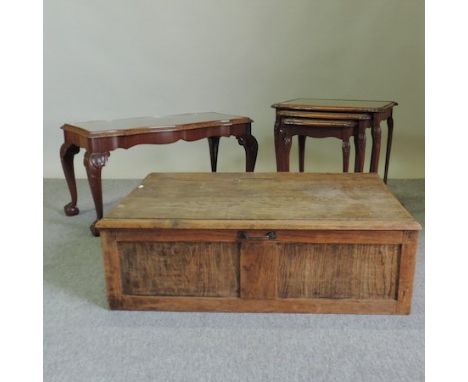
267, 236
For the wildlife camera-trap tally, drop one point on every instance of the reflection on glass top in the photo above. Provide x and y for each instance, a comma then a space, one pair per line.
312, 102
155, 122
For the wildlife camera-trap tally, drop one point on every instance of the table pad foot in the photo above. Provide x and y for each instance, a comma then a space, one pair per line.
71, 209
93, 228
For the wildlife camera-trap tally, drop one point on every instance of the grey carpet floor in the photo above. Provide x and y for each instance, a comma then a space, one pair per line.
84, 341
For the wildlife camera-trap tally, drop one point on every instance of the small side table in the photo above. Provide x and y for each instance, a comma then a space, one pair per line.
320, 128
322, 125
98, 138
377, 111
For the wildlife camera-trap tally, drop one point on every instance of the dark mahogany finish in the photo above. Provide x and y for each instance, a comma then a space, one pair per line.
344, 130
98, 138
367, 113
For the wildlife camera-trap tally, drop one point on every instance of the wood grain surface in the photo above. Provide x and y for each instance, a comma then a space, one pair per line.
338, 271
323, 271
259, 270
261, 201
180, 269
229, 304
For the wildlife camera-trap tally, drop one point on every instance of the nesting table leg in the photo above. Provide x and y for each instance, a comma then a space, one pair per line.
389, 146
302, 140
345, 148
376, 135
67, 154
213, 142
251, 147
283, 148
93, 163
360, 146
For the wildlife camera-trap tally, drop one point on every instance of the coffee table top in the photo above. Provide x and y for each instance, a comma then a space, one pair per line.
130, 126
338, 105
261, 201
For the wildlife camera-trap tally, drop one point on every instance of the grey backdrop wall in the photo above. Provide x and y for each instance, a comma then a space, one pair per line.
117, 59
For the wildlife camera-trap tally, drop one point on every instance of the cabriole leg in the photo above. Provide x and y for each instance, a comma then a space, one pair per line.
389, 146
67, 154
93, 163
251, 148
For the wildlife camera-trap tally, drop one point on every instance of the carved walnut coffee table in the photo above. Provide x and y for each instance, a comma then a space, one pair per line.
98, 138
